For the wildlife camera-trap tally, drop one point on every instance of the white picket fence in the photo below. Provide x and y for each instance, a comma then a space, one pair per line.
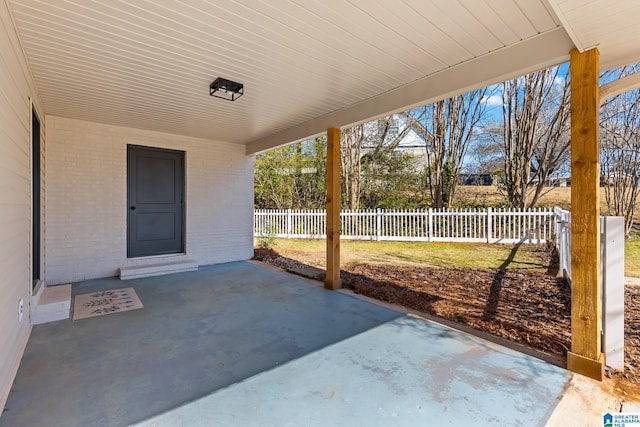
429, 225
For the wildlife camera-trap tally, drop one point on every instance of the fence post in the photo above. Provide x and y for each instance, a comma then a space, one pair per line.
561, 243
565, 244
288, 231
378, 223
430, 225
612, 247
567, 236
489, 225
556, 230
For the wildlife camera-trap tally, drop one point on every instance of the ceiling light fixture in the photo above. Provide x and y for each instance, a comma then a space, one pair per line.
226, 89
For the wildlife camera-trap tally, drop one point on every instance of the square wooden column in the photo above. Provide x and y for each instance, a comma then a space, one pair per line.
585, 356
332, 280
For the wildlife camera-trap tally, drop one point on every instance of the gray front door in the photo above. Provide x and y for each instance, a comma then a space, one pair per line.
155, 188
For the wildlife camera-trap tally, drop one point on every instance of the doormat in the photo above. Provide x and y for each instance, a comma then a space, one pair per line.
105, 302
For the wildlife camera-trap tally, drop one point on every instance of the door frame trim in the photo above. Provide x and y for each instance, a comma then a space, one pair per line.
36, 199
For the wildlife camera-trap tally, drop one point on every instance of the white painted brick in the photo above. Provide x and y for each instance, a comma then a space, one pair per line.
86, 199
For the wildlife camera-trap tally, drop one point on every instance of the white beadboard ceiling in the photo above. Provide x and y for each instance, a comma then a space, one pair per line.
306, 65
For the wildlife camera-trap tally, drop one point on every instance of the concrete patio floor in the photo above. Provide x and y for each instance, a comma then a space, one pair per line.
244, 345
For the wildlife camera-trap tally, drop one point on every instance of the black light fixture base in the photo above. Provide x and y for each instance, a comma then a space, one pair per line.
226, 89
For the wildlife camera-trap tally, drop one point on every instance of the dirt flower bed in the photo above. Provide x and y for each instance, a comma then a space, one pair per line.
628, 382
533, 310
527, 307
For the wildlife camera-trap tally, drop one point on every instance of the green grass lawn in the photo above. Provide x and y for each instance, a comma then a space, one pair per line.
632, 258
444, 255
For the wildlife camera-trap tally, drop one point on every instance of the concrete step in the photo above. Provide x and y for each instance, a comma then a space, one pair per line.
50, 304
134, 272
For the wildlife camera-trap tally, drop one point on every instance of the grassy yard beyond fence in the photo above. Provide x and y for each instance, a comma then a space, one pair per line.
632, 258
444, 255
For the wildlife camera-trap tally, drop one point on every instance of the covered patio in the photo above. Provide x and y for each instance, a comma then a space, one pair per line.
90, 87
241, 344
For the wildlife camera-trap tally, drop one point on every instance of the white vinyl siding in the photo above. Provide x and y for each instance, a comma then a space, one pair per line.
16, 89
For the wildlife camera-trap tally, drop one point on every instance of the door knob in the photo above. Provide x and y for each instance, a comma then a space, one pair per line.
133, 208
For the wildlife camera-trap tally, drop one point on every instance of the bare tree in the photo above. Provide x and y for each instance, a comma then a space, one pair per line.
535, 114
447, 126
486, 153
620, 151
351, 152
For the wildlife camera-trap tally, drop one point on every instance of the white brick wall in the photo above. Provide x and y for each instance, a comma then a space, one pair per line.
85, 228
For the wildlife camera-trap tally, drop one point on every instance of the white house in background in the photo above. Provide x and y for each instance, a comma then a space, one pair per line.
560, 181
410, 142
414, 144
103, 103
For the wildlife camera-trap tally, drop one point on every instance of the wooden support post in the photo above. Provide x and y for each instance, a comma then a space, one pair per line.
585, 356
332, 280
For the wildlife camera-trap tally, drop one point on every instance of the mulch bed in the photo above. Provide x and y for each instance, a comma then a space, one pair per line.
523, 306
631, 372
